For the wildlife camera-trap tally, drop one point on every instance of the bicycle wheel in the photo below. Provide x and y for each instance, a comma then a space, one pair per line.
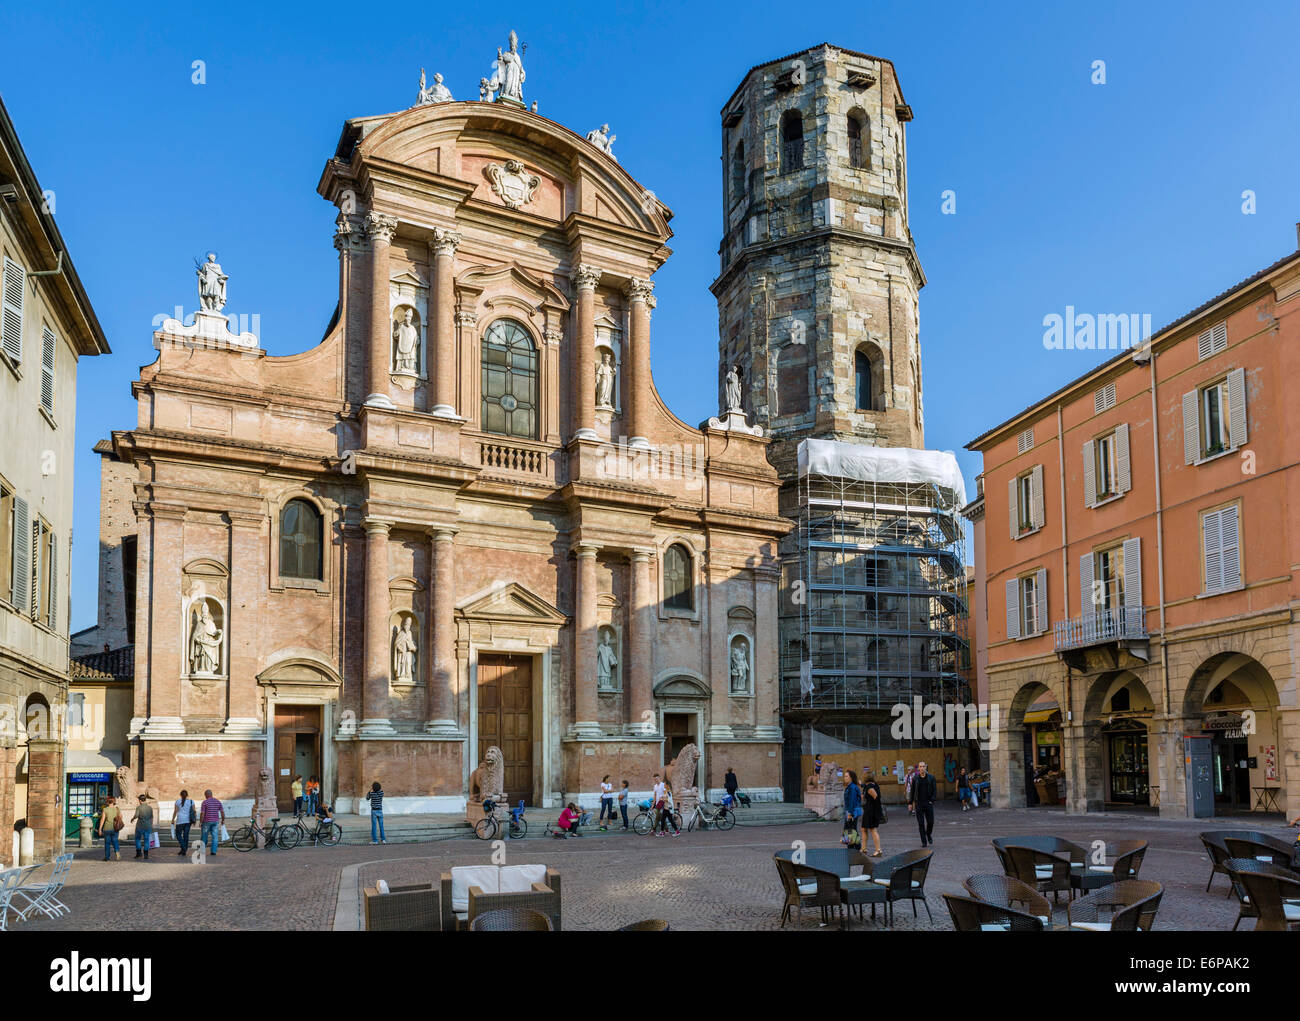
518, 830
244, 839
690, 826
725, 819
332, 835
288, 837
485, 828
677, 819
643, 823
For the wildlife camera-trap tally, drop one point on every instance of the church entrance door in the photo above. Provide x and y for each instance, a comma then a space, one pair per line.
297, 749
505, 718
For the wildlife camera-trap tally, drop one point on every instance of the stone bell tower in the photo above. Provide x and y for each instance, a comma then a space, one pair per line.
817, 294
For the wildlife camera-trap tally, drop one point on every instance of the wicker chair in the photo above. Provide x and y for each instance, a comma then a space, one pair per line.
903, 877
1271, 850
402, 908
1218, 852
972, 915
649, 925
1267, 892
1132, 905
1009, 892
1043, 870
806, 886
544, 897
511, 920
1126, 862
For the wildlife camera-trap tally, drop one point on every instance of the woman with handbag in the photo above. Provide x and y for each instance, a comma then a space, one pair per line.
182, 820
852, 812
873, 813
110, 822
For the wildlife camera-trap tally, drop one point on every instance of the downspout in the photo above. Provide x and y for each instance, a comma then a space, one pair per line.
1160, 539
1065, 574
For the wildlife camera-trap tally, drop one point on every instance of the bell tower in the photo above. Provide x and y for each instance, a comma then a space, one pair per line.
817, 293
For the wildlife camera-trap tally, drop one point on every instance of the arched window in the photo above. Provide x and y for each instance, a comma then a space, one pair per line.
738, 173
509, 380
859, 141
679, 588
862, 381
791, 141
301, 541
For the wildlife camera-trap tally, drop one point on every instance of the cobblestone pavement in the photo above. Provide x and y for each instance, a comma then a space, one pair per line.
703, 880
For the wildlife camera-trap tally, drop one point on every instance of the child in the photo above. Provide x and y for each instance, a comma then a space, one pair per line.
622, 803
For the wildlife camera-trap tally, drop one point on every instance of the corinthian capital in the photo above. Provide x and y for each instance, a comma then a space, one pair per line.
586, 276
381, 226
637, 289
444, 242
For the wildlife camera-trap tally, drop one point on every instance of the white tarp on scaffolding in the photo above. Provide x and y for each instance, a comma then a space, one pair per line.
882, 464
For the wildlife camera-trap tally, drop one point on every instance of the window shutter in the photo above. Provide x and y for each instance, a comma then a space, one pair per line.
1089, 473
1013, 608
1123, 473
1085, 584
21, 564
47, 369
1212, 550
1036, 496
1205, 344
52, 611
1013, 504
1041, 591
1133, 573
1231, 548
35, 572
15, 282
1191, 429
1237, 407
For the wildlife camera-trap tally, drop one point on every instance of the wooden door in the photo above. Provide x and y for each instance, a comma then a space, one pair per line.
284, 748
505, 719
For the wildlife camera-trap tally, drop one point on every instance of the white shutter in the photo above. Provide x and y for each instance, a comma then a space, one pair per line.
1013, 507
52, 611
1236, 407
1040, 585
21, 563
1036, 496
1013, 608
1123, 472
1086, 602
15, 282
36, 568
1191, 428
1205, 344
1212, 550
47, 369
1231, 548
1133, 573
1089, 473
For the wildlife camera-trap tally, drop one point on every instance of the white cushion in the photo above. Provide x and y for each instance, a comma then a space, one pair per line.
995, 926
461, 916
382, 886
1264, 857
520, 878
1291, 911
1101, 868
486, 877
807, 889
854, 880
1044, 919
1043, 871
885, 882
1091, 926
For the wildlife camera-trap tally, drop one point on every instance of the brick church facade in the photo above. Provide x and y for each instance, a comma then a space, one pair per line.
465, 518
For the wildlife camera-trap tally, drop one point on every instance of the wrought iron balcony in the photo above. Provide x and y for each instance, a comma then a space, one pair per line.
1119, 624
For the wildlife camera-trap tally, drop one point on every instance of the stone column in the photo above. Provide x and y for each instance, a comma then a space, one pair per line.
442, 615
585, 723
166, 622
243, 619
638, 389
381, 229
375, 696
584, 361
443, 320
639, 669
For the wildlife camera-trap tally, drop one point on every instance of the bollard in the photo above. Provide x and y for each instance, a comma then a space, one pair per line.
87, 831
14, 859
26, 846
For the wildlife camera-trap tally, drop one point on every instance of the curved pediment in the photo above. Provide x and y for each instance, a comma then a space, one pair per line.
505, 285
681, 685
300, 668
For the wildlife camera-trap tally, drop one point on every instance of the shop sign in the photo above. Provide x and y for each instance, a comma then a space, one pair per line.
89, 777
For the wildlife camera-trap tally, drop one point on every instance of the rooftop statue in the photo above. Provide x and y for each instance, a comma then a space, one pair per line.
507, 79
439, 93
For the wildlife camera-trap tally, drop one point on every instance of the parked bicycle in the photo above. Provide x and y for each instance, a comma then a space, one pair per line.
707, 815
489, 826
327, 833
647, 818
284, 837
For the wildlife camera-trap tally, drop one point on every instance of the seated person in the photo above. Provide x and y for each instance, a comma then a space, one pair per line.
568, 824
324, 814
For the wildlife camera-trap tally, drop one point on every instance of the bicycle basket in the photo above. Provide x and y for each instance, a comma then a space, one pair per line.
489, 806
644, 805
727, 801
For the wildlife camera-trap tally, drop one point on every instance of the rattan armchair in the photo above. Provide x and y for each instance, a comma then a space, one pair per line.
1261, 847
1218, 851
806, 886
1043, 870
1127, 906
510, 920
1010, 892
544, 897
1127, 856
402, 908
903, 877
972, 915
1268, 893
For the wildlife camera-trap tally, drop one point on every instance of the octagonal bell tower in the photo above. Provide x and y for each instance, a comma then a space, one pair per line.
817, 294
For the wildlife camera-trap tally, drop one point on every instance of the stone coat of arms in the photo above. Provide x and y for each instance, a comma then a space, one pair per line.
512, 182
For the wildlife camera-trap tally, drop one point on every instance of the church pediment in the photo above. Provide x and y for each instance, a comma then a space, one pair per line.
682, 686
511, 602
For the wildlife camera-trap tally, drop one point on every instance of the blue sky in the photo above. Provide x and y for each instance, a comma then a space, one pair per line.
1119, 198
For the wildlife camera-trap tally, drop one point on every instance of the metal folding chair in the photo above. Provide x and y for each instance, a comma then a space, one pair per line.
44, 897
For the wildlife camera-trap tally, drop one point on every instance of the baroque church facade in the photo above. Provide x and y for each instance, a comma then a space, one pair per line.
465, 519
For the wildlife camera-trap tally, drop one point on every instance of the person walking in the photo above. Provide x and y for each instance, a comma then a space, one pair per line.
212, 817
182, 820
731, 785
853, 810
657, 801
623, 796
920, 801
873, 813
606, 802
376, 799
666, 816
110, 822
295, 789
963, 789
143, 827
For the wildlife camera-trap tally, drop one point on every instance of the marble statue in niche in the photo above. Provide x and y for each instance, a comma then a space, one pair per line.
205, 642
739, 665
605, 378
607, 662
404, 649
406, 342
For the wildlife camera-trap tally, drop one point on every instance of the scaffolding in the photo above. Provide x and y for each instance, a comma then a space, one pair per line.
874, 612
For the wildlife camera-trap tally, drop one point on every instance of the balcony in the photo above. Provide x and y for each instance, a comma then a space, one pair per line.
1119, 628
516, 459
